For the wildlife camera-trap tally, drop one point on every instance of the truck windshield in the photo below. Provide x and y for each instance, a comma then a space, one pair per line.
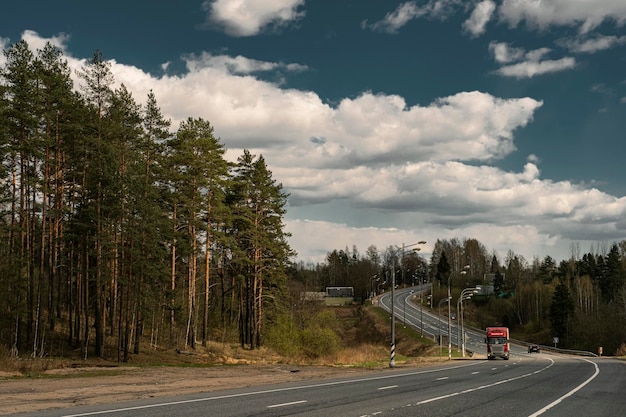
497, 340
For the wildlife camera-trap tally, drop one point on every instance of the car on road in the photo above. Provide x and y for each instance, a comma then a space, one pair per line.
533, 349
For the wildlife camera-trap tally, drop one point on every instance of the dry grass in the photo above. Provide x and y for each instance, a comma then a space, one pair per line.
364, 333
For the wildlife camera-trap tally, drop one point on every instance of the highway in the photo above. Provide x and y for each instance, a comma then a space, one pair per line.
529, 385
428, 319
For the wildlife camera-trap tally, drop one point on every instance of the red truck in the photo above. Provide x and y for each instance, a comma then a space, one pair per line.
497, 342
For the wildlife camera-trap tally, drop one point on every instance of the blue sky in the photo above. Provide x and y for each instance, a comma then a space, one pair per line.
388, 122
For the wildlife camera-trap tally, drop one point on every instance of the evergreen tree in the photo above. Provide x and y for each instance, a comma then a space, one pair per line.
443, 269
98, 179
151, 224
59, 110
612, 280
561, 311
122, 189
498, 283
258, 204
21, 152
200, 172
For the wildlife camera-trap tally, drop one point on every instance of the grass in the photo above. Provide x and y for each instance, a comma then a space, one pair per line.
364, 332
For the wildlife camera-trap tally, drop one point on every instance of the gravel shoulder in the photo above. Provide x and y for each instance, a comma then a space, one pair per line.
64, 388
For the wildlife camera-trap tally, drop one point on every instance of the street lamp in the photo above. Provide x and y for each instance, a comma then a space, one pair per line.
463, 272
372, 292
422, 311
392, 353
404, 305
443, 300
466, 294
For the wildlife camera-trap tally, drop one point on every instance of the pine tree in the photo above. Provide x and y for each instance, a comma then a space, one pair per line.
58, 117
561, 311
613, 278
199, 171
95, 177
21, 128
258, 204
152, 226
119, 188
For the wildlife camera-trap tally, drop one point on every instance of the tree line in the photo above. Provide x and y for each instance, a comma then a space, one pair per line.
115, 230
580, 301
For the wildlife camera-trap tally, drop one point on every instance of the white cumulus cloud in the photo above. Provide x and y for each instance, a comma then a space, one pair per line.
373, 157
481, 15
593, 44
251, 17
411, 10
586, 15
523, 64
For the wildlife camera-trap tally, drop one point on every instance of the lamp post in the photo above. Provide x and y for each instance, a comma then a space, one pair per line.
443, 300
466, 294
372, 292
404, 308
392, 353
422, 311
464, 271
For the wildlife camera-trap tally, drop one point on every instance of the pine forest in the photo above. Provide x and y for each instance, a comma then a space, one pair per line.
115, 231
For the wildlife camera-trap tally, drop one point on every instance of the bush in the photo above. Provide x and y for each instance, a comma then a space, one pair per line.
317, 341
283, 336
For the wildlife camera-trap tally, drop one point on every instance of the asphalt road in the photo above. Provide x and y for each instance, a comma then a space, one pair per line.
431, 324
528, 385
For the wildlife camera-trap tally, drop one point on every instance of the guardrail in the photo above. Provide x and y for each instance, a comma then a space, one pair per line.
543, 347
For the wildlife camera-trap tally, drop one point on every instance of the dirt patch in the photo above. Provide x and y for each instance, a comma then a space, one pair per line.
63, 388
29, 386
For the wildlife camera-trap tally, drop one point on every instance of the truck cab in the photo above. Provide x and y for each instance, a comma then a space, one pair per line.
497, 341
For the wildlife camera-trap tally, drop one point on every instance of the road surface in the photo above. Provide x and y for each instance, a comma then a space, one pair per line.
528, 385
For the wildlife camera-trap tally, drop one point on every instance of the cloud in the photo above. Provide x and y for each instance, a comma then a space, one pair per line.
4, 44
592, 44
503, 53
410, 10
425, 169
431, 201
586, 15
475, 25
241, 18
522, 64
236, 65
35, 42
531, 69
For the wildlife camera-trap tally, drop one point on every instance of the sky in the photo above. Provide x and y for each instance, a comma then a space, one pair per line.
387, 122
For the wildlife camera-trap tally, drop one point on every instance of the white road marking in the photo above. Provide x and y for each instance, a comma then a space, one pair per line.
454, 394
270, 391
552, 404
286, 404
388, 387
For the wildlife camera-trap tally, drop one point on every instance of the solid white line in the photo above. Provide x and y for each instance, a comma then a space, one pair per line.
286, 404
270, 391
552, 404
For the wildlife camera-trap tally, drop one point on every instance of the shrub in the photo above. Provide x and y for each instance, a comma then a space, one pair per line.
317, 341
283, 336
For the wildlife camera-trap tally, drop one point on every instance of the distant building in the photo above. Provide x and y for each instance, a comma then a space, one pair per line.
313, 296
336, 296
